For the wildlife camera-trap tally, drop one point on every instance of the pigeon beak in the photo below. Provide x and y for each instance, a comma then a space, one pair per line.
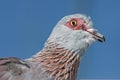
96, 35
99, 37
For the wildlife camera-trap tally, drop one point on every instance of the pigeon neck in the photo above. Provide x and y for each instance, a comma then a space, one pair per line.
59, 63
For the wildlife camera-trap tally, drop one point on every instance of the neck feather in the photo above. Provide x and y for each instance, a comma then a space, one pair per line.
58, 62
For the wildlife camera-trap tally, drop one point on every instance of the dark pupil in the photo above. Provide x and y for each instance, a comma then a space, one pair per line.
74, 23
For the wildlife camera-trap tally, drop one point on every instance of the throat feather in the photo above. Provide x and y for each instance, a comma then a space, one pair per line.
59, 63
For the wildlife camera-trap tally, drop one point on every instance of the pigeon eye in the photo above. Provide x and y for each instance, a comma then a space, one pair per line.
73, 23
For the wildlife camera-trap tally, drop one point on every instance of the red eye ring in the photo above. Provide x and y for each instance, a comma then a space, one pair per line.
75, 24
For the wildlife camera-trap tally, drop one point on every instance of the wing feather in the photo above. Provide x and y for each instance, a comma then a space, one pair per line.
12, 68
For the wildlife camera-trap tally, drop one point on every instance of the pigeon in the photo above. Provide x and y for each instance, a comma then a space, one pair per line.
60, 57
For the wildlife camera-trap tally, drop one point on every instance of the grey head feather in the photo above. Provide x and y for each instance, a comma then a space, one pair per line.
77, 40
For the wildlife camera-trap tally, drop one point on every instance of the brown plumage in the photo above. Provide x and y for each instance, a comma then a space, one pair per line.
58, 62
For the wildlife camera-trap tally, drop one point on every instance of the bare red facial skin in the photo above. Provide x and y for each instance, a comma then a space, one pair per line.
75, 24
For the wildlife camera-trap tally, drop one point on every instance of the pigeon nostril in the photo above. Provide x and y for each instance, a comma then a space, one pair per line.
95, 31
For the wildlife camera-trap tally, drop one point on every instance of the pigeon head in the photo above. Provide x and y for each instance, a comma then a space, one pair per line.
75, 32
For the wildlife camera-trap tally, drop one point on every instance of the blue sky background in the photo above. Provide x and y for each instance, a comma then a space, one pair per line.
26, 24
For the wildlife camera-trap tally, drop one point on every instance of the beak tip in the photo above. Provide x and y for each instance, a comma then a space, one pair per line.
102, 39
